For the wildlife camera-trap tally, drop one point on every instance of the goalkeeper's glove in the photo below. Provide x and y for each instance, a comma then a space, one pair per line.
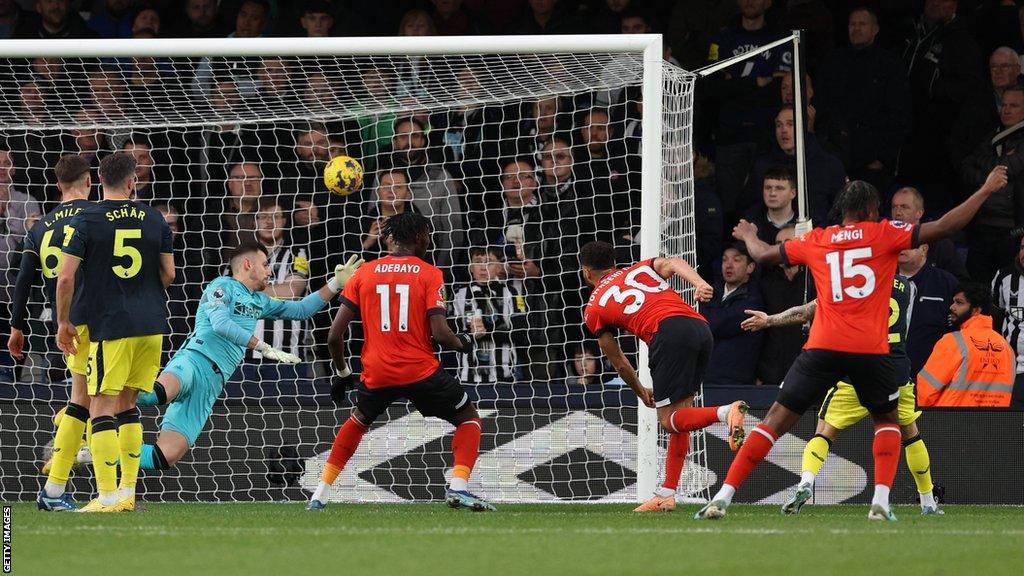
342, 272
467, 343
276, 355
340, 383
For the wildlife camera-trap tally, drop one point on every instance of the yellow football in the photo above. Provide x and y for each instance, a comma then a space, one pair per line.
343, 175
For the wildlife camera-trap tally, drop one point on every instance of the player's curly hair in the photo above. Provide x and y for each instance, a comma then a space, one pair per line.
857, 200
598, 255
405, 228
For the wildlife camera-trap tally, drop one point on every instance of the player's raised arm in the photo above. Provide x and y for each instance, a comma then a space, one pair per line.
791, 317
676, 266
610, 346
954, 220
28, 273
759, 250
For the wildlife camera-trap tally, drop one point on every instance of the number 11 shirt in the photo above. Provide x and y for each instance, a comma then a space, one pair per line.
853, 268
634, 298
395, 297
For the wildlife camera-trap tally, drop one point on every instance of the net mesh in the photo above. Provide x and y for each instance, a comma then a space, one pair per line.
517, 160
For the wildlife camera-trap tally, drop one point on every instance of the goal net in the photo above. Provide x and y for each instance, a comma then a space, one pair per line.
518, 155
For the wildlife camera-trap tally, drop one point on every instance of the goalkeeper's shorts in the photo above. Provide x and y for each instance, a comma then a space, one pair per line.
842, 409
124, 363
201, 384
79, 363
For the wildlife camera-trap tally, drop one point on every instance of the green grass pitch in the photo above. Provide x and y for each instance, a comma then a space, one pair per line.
531, 540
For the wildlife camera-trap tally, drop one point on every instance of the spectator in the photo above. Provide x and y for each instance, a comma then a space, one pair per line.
53, 19
16, 208
943, 65
586, 366
707, 218
908, 206
692, 25
434, 193
776, 213
606, 18
548, 17
393, 197
412, 71
484, 309
274, 84
979, 117
989, 246
745, 95
972, 366
1008, 299
825, 174
250, 22
788, 94
10, 16
184, 293
734, 357
147, 19
452, 19
931, 296
113, 19
601, 167
781, 289
863, 102
235, 216
317, 19
815, 19
202, 21
377, 129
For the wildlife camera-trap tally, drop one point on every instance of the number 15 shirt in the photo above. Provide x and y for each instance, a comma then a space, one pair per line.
395, 297
634, 298
853, 268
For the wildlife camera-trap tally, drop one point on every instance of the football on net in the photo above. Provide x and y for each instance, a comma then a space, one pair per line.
343, 175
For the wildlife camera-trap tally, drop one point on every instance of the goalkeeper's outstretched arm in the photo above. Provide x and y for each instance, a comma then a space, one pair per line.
315, 302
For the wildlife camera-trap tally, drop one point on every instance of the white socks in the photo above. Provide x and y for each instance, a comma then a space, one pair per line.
459, 484
807, 478
663, 492
110, 499
927, 499
123, 493
53, 490
725, 493
321, 491
881, 496
723, 412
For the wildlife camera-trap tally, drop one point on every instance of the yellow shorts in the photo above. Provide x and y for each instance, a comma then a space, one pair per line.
124, 363
841, 408
79, 363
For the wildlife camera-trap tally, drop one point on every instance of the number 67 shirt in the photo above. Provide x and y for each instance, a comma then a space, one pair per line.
636, 299
853, 268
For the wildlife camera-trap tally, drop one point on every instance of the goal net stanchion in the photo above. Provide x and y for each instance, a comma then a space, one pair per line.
232, 136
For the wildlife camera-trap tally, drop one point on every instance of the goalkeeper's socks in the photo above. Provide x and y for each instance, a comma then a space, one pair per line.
920, 465
815, 453
886, 451
757, 445
153, 458
678, 445
105, 452
65, 448
465, 449
689, 419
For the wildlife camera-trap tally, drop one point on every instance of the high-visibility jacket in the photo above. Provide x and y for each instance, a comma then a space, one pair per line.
971, 367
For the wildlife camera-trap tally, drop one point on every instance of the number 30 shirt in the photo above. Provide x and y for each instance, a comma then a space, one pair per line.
636, 299
853, 268
395, 297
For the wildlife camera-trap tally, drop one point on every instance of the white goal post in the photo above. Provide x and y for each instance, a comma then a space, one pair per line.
583, 73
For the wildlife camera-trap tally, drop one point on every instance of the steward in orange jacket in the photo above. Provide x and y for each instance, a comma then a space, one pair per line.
973, 366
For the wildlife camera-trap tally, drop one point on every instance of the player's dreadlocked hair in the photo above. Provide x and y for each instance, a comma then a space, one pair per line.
857, 200
405, 228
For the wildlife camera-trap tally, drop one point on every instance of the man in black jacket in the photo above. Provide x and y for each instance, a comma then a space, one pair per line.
734, 357
980, 114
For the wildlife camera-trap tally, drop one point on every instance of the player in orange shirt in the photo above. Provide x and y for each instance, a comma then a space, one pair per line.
639, 300
400, 299
853, 266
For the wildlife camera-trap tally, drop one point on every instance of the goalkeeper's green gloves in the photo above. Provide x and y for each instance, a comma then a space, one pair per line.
342, 272
271, 353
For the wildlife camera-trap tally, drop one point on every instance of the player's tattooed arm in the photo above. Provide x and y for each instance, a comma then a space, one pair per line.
759, 250
792, 317
610, 346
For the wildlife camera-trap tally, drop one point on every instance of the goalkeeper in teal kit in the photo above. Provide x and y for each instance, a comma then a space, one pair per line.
225, 321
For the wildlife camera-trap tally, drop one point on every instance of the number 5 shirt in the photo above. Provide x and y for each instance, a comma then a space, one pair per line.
853, 268
636, 299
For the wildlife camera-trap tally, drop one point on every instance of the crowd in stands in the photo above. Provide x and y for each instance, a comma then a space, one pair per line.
920, 98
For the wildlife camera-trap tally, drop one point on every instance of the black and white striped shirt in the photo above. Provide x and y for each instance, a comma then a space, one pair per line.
1008, 296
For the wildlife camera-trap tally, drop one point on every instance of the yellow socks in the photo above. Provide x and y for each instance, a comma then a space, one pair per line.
66, 442
815, 453
129, 433
105, 453
919, 463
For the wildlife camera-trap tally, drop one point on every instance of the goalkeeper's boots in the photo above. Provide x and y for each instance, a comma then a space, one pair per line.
879, 513
800, 497
464, 499
658, 504
735, 422
712, 511
96, 506
932, 511
62, 504
316, 506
